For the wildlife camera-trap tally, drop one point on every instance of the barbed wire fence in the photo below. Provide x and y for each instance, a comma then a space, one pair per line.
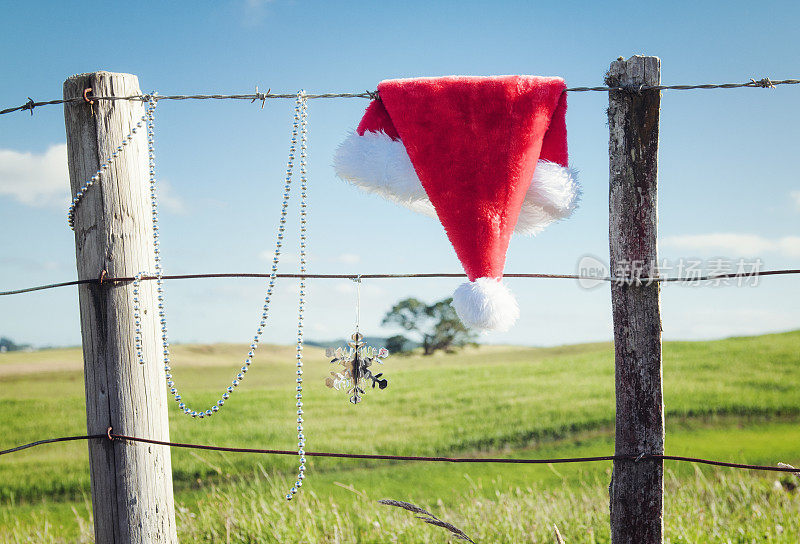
262, 98
111, 436
31, 104
427, 275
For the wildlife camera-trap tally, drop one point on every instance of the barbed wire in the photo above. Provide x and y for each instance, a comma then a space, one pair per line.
612, 279
763, 83
111, 436
30, 105
257, 96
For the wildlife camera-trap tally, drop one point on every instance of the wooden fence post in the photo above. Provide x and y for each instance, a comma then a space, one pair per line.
131, 482
637, 487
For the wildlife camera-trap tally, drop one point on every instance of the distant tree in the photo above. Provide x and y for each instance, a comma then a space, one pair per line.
6, 344
397, 344
437, 325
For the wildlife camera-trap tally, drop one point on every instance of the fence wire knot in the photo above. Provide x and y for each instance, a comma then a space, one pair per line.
373, 95
763, 83
261, 96
29, 105
631, 89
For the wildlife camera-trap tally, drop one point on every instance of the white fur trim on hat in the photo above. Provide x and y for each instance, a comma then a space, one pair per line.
486, 304
378, 164
553, 194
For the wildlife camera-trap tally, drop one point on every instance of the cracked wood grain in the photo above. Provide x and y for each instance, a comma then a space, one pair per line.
131, 484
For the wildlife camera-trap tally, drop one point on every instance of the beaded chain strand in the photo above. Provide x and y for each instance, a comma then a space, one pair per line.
107, 164
301, 439
299, 128
299, 123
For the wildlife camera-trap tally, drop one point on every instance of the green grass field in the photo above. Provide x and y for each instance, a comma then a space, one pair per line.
736, 399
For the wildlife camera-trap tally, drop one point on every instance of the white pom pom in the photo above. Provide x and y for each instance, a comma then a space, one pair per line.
486, 304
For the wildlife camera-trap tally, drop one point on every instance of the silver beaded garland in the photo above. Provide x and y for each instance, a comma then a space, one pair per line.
107, 164
299, 127
301, 105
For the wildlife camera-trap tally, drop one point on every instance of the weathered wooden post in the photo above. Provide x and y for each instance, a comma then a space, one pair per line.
637, 487
131, 483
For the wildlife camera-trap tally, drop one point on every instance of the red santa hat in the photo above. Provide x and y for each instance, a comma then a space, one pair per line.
486, 155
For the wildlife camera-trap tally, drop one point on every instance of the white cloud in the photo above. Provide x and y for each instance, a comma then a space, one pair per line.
735, 245
35, 179
367, 288
284, 258
348, 258
42, 179
319, 328
32, 264
169, 200
697, 322
345, 288
255, 11
795, 195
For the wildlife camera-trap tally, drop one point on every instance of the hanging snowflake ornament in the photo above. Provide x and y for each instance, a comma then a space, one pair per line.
356, 359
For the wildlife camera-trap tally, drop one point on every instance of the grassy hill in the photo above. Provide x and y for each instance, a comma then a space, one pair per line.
735, 399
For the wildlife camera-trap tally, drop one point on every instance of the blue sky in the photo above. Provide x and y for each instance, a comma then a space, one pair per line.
729, 183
